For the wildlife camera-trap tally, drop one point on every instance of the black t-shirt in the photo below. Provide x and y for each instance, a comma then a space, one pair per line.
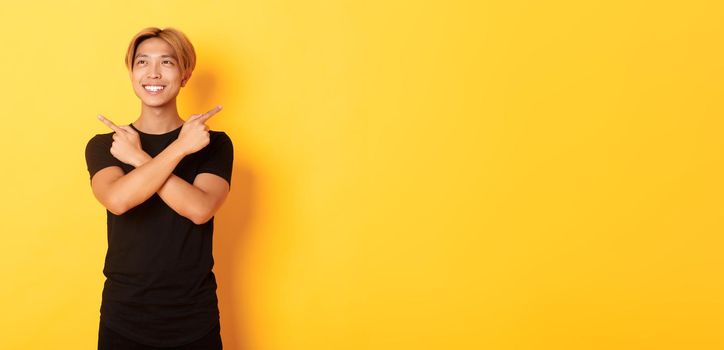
160, 289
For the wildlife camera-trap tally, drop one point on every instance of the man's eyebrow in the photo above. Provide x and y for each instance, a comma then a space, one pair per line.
144, 55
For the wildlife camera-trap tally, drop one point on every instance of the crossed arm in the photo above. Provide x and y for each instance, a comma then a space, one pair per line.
198, 201
119, 192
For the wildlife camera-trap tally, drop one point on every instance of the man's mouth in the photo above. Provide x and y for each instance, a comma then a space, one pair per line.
154, 88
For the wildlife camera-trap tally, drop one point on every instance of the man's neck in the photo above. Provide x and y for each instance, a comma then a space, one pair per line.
158, 120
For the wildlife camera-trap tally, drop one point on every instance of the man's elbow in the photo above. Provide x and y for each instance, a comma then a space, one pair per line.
116, 206
201, 216
200, 220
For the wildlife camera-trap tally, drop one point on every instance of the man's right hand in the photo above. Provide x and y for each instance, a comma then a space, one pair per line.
194, 133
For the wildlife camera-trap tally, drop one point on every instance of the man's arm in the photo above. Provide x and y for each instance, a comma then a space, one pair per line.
198, 201
119, 192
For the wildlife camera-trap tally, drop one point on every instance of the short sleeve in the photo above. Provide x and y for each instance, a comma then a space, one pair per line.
219, 157
98, 154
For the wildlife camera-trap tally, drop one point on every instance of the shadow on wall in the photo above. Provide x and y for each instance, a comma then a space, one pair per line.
232, 229
202, 91
232, 233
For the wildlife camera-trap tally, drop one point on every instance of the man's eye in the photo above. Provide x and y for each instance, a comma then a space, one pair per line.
140, 61
167, 61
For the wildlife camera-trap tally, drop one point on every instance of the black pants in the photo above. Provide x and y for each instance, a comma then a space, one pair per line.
110, 340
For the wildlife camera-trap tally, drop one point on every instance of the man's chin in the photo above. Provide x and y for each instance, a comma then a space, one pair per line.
155, 103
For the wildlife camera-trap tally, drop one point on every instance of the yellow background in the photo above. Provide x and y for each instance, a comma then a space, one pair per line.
408, 174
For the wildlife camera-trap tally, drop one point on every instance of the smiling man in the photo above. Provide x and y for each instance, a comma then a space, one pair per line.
161, 180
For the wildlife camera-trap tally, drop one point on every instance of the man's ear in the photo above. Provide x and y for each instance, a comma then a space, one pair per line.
185, 80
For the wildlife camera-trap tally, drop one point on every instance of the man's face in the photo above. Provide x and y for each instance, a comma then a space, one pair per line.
156, 75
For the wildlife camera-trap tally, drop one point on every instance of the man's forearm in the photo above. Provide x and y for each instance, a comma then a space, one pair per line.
184, 198
146, 179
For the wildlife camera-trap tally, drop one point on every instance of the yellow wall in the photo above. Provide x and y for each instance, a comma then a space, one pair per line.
408, 174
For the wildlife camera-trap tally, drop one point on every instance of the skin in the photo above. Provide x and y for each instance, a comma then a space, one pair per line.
155, 63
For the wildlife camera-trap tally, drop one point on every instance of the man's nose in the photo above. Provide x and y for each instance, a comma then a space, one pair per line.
154, 72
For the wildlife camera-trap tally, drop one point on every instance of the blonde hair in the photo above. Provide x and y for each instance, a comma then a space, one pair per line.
181, 44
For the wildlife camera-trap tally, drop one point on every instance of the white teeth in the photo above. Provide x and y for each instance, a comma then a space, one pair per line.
153, 87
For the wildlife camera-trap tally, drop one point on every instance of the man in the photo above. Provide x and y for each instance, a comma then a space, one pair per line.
161, 179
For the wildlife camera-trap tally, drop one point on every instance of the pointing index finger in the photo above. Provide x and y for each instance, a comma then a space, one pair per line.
204, 117
109, 123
